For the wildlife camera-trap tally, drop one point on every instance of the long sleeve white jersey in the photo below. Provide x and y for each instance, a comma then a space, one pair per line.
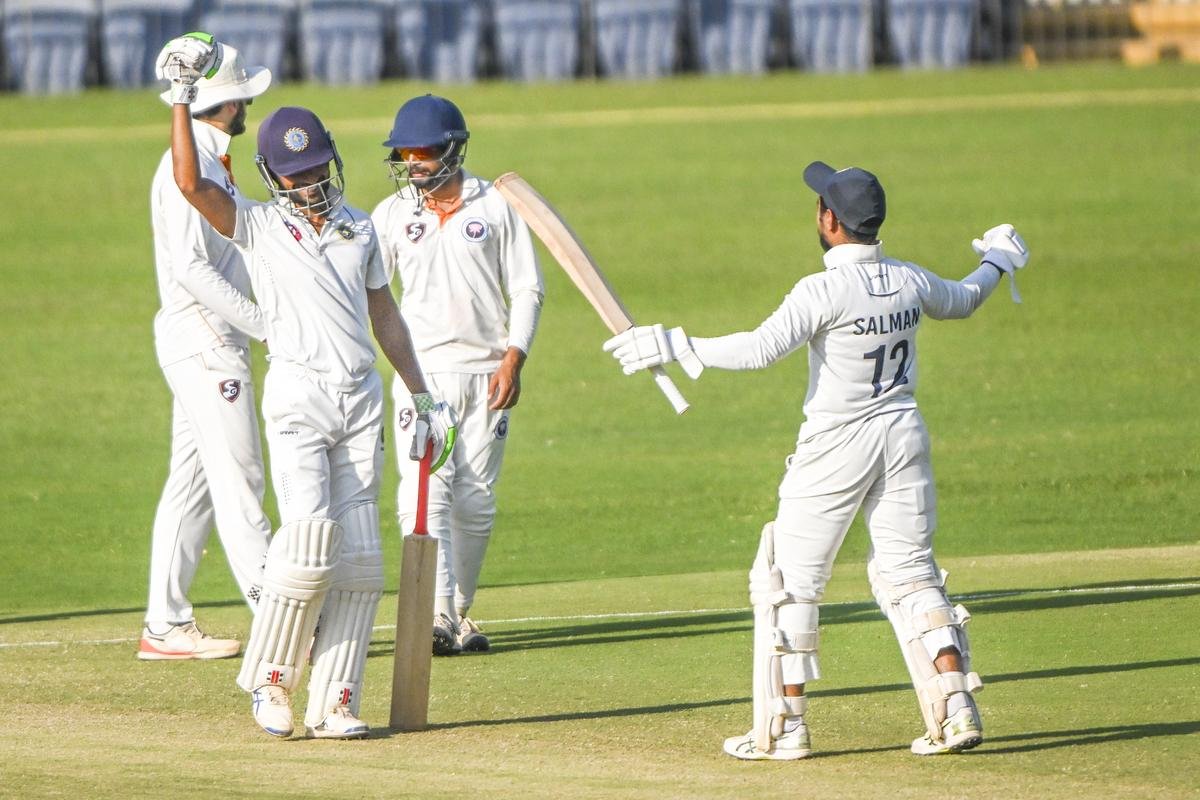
455, 277
859, 319
313, 288
202, 281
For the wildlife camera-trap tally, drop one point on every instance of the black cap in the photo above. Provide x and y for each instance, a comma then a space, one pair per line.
853, 194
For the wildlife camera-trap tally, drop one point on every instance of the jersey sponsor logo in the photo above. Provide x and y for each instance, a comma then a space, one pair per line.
296, 234
887, 323
406, 417
474, 229
295, 139
231, 389
415, 231
502, 428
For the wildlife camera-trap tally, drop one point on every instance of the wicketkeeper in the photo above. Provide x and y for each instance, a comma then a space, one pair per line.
863, 444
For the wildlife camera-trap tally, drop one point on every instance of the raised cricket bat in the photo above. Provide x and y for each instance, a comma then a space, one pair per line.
579, 265
414, 616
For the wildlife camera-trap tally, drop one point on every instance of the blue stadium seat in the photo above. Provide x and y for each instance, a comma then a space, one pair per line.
731, 36
931, 34
46, 44
636, 39
257, 28
440, 40
132, 32
341, 41
832, 35
537, 40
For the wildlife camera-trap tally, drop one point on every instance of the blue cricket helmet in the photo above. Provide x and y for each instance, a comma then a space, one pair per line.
428, 121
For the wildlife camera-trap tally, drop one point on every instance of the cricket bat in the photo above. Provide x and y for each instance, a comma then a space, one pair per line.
414, 616
579, 265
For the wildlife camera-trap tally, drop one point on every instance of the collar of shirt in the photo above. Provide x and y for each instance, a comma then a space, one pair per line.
853, 254
210, 138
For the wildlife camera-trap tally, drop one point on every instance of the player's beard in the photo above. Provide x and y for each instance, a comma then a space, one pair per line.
825, 245
237, 125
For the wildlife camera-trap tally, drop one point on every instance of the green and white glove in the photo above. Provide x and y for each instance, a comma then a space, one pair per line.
185, 60
436, 429
652, 346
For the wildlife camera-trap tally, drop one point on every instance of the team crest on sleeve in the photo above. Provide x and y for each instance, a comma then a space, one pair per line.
415, 231
231, 389
474, 229
502, 428
406, 418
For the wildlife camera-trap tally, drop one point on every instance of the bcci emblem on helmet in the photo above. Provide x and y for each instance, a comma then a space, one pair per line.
231, 389
295, 139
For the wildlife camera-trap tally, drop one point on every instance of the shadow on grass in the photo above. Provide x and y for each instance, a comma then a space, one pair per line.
1082, 736
103, 612
608, 713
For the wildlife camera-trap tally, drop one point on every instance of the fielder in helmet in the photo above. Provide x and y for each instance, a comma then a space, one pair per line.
472, 292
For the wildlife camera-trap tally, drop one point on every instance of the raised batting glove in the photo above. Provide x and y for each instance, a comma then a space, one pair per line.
436, 428
185, 60
1004, 249
652, 346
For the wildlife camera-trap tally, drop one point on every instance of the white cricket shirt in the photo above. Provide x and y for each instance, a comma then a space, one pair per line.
313, 289
455, 276
859, 319
202, 283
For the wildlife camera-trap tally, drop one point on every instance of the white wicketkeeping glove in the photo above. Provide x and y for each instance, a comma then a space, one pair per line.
1003, 248
652, 346
436, 428
185, 60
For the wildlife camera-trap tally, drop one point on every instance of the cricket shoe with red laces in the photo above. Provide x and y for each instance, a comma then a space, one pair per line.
184, 641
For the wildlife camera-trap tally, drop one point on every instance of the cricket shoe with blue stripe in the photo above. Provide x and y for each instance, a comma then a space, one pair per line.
272, 710
339, 723
792, 745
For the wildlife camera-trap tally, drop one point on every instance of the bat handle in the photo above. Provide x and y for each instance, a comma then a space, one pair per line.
668, 388
421, 524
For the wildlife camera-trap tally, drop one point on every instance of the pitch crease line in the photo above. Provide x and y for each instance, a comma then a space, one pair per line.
695, 611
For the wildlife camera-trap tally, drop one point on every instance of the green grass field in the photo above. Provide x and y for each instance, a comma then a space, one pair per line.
1065, 443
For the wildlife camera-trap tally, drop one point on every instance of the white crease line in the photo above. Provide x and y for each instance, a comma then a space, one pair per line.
694, 611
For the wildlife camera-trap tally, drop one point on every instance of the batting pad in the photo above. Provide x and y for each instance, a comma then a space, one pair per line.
925, 623
344, 636
299, 568
784, 628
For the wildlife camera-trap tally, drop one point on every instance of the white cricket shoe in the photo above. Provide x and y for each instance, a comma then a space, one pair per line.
792, 745
184, 641
470, 638
339, 724
961, 731
272, 710
445, 636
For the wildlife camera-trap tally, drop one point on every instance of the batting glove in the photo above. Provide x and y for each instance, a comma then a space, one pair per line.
185, 60
652, 346
1003, 248
436, 429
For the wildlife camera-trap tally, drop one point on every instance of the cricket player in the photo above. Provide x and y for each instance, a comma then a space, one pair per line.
864, 445
472, 292
317, 274
201, 335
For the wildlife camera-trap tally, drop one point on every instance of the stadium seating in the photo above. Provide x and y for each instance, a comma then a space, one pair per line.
133, 31
259, 29
832, 35
440, 40
342, 41
931, 34
636, 39
730, 36
537, 40
46, 44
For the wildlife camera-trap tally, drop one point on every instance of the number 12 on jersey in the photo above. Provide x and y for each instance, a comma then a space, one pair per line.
899, 353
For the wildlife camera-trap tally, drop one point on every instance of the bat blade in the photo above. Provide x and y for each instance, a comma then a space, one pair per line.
413, 658
568, 250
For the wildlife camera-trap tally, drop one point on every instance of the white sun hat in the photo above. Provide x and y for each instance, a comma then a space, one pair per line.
232, 82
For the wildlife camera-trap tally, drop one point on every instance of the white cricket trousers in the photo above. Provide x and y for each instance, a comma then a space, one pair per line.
881, 465
326, 444
462, 497
216, 475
